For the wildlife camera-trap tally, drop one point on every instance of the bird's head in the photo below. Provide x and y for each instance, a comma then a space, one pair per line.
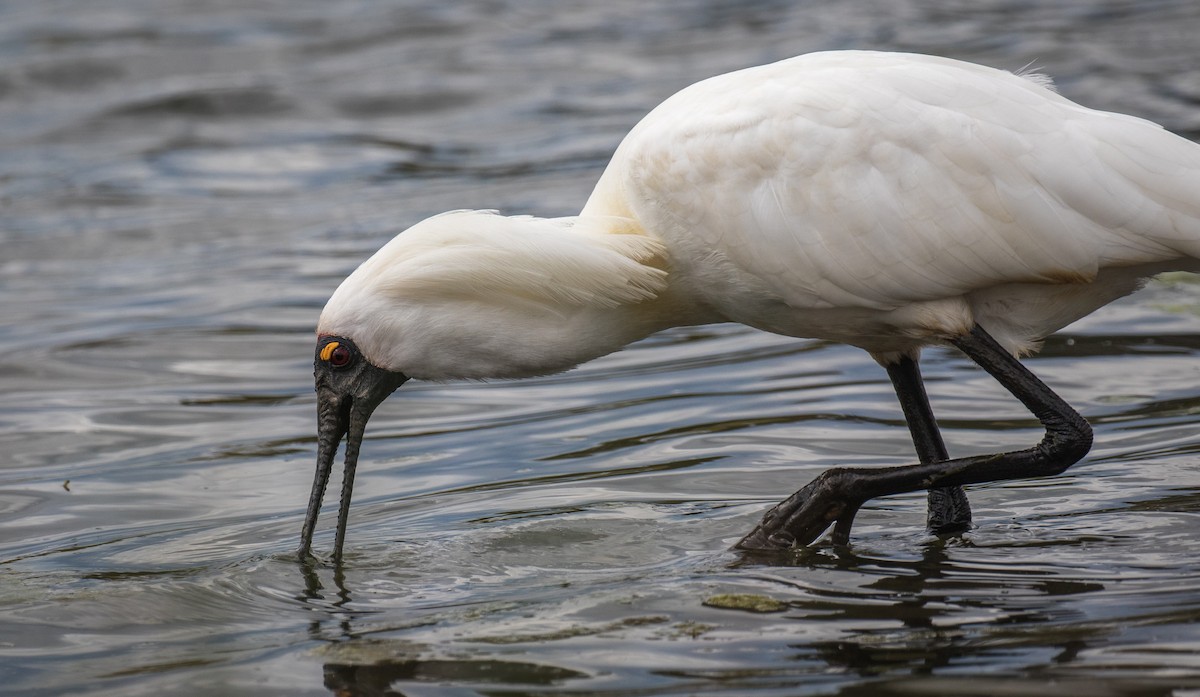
349, 387
474, 295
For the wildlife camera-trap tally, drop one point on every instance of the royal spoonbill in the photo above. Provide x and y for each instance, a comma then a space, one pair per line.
887, 201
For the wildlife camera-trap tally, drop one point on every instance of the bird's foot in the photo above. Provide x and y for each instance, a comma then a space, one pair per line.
949, 511
833, 497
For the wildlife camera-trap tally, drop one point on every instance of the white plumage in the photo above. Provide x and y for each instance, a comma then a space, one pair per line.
882, 200
473, 294
888, 201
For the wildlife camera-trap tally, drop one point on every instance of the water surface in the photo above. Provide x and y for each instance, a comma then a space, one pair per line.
182, 184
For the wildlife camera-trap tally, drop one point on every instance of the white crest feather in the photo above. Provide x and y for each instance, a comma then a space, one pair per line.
572, 261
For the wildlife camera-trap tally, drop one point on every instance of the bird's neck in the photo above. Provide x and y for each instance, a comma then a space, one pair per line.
583, 333
611, 287
477, 296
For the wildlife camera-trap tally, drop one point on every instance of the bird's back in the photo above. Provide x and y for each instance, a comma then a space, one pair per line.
852, 194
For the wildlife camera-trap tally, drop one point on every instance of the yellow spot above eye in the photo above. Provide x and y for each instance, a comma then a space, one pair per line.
328, 350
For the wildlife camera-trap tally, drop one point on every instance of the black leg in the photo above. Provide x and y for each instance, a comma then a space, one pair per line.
949, 511
836, 494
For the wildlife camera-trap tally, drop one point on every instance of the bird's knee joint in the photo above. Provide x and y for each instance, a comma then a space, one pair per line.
1067, 444
836, 477
843, 487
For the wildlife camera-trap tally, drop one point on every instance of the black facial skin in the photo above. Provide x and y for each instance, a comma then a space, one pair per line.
348, 389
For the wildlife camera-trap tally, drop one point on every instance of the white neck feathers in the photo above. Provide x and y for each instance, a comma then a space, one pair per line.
473, 294
560, 261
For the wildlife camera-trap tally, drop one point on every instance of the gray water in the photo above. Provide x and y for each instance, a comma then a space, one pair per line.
184, 182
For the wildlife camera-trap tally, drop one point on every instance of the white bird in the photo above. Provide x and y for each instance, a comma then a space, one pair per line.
887, 201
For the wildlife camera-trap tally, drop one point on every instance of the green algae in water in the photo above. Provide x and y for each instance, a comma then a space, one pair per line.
750, 602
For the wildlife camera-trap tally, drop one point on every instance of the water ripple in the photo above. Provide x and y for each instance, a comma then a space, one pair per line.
181, 187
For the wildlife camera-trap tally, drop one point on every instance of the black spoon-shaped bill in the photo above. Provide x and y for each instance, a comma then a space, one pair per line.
348, 389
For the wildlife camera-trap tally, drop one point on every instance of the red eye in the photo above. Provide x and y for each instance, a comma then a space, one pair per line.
336, 353
340, 356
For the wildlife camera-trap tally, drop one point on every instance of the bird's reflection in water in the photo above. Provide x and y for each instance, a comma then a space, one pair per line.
928, 596
914, 611
378, 679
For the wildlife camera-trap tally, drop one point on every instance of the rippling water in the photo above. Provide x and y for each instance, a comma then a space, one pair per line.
182, 184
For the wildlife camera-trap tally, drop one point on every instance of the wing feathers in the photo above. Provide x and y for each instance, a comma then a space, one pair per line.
877, 180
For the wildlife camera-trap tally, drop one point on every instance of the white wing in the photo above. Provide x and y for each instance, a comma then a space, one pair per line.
874, 180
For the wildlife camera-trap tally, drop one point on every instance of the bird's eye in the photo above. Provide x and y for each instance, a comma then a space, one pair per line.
340, 356
337, 354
